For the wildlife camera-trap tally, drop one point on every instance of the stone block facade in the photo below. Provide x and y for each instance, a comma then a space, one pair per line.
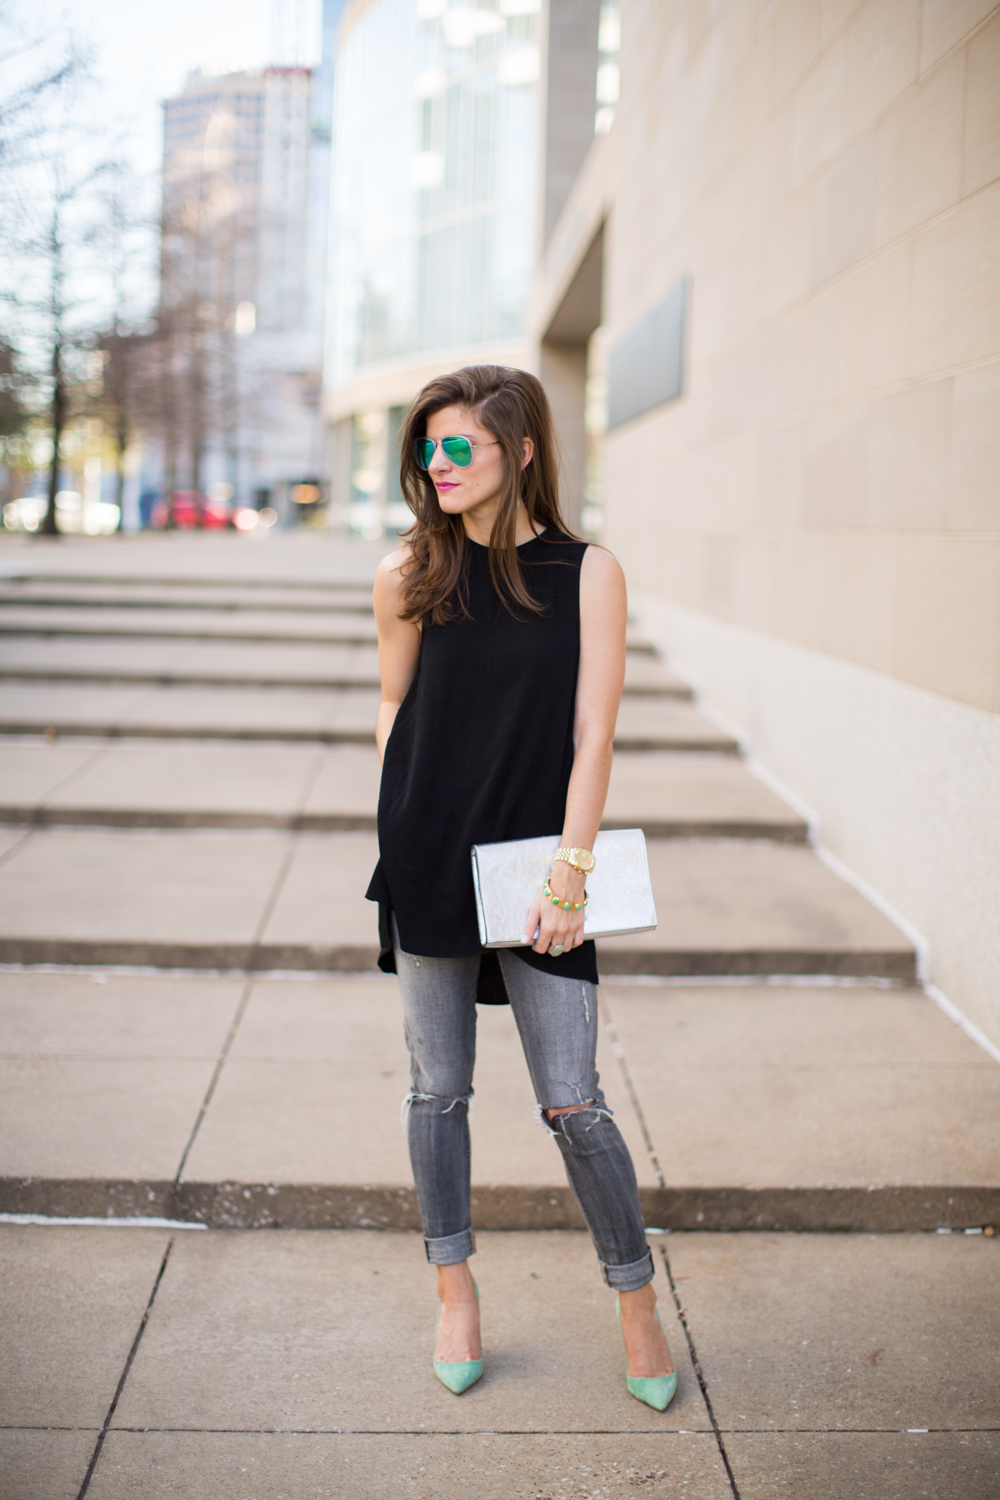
822, 503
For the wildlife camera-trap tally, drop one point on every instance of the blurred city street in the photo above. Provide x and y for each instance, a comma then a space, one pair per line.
195, 1034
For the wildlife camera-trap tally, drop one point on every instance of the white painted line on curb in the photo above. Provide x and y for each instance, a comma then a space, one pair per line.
969, 1027
101, 1223
809, 981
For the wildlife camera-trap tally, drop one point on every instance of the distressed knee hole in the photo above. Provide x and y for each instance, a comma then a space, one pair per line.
449, 1104
567, 1109
566, 1124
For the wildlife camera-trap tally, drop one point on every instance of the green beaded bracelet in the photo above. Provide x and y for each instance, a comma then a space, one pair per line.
566, 905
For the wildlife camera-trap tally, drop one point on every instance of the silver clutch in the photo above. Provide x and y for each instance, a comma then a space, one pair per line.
507, 878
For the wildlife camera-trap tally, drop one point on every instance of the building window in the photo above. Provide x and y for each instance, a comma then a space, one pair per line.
434, 170
609, 41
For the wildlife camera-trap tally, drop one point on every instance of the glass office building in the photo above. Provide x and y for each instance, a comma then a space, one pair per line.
434, 200
245, 173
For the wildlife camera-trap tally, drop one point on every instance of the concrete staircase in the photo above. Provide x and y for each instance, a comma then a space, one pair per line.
188, 785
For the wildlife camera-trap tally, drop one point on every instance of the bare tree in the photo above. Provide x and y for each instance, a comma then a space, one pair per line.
30, 78
27, 75
54, 168
125, 397
121, 397
14, 412
70, 231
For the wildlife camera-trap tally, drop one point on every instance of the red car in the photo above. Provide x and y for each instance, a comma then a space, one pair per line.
188, 511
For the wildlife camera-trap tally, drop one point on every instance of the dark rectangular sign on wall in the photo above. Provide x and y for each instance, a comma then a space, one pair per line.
647, 367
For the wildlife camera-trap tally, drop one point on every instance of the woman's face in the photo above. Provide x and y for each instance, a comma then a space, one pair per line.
460, 491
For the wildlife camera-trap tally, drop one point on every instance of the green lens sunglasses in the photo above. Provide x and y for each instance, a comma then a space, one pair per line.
457, 450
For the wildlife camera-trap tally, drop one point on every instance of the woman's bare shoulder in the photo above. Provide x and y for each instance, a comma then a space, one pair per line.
393, 562
389, 574
601, 570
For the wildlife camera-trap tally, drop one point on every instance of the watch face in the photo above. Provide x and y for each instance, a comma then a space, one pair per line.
584, 859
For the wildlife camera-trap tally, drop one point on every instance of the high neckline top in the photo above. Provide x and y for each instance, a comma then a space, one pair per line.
520, 545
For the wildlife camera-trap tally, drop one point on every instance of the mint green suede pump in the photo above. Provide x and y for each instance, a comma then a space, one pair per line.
460, 1374
656, 1391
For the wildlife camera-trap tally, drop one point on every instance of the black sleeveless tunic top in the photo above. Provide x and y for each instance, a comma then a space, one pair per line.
481, 751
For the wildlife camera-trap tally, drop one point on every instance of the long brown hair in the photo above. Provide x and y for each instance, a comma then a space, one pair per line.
511, 405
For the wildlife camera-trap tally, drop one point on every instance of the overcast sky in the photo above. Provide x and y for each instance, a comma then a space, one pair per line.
143, 50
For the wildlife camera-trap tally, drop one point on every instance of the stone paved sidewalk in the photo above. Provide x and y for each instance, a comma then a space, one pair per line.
296, 1364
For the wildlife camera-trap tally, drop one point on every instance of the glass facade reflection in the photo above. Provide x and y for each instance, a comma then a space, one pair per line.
434, 162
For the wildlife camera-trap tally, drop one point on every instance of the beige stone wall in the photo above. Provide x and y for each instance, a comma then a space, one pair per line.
828, 174
813, 530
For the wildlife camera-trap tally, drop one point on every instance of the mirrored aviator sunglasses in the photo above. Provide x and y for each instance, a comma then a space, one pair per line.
457, 450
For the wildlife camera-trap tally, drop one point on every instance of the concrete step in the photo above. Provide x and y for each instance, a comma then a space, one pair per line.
288, 559
190, 784
81, 587
75, 659
672, 795
754, 1106
229, 601
120, 659
345, 715
187, 624
204, 625
646, 723
270, 901
636, 643
647, 676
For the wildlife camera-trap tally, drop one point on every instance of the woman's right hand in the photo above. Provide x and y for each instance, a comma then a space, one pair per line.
547, 925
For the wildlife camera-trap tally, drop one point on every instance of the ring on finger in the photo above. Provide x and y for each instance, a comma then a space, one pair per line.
556, 951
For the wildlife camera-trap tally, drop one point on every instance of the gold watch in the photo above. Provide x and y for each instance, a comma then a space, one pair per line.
581, 860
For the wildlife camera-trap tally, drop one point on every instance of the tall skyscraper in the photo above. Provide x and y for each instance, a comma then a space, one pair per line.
242, 281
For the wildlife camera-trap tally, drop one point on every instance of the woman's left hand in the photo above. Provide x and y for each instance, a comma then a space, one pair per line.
556, 926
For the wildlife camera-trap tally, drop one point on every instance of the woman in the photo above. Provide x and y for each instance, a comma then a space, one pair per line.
502, 657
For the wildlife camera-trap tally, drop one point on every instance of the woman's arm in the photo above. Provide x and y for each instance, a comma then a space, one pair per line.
398, 644
603, 609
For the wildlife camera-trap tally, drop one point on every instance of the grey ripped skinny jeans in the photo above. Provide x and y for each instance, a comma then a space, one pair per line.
557, 1022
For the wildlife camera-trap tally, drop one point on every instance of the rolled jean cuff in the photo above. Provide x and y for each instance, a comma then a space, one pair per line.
450, 1249
628, 1278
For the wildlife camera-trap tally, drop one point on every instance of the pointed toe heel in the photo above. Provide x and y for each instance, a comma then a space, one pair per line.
458, 1375
656, 1391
